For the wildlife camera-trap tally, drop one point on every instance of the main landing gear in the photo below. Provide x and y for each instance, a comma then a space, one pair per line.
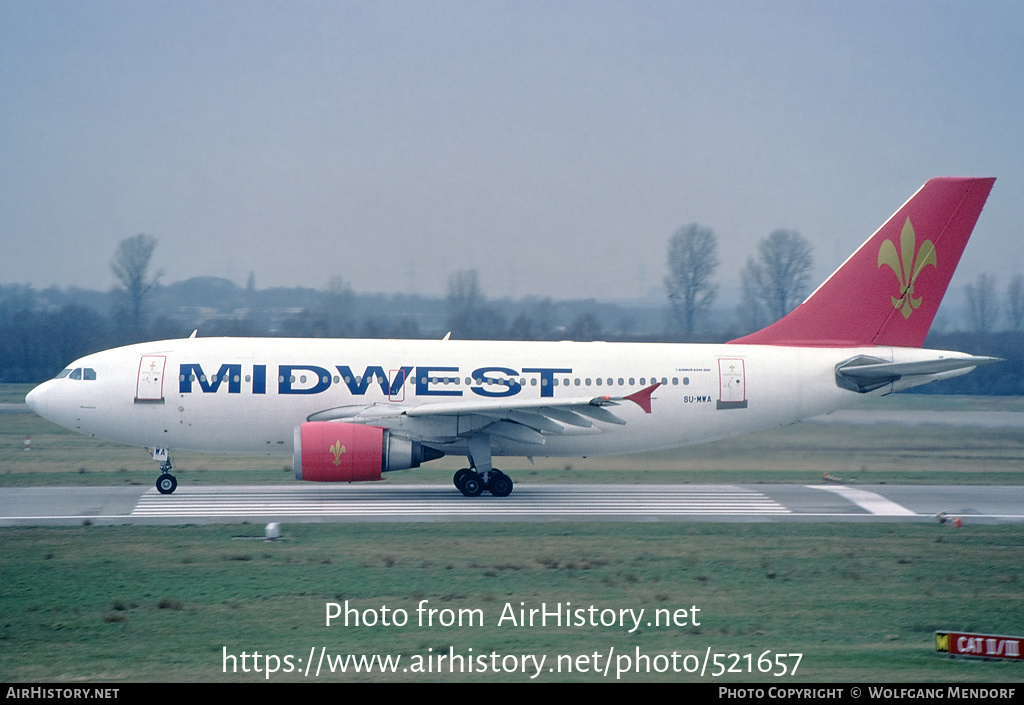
166, 483
473, 481
472, 484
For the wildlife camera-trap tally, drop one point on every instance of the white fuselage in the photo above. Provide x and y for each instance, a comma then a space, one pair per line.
248, 395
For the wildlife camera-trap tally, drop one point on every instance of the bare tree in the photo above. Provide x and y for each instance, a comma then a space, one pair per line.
692, 261
982, 306
750, 312
778, 277
1015, 304
465, 303
585, 327
338, 304
131, 268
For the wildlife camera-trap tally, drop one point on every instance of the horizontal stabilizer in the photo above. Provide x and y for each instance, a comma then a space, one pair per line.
887, 370
864, 374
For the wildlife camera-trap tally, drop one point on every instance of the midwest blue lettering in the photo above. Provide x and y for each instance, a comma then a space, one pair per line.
286, 379
547, 378
485, 374
357, 384
424, 375
433, 380
194, 372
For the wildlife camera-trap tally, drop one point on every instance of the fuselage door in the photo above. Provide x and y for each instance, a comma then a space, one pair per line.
150, 385
732, 384
397, 385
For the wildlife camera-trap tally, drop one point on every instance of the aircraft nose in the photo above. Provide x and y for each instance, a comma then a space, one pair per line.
36, 399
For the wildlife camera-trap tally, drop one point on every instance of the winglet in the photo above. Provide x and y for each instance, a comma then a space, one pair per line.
888, 291
643, 397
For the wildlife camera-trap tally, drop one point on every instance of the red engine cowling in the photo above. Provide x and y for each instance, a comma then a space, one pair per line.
331, 451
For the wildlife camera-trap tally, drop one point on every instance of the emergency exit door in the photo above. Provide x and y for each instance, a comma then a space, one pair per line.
150, 386
732, 384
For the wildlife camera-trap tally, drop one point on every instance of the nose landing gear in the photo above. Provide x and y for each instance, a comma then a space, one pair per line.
166, 483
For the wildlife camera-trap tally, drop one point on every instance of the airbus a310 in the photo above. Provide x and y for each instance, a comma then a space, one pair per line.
350, 410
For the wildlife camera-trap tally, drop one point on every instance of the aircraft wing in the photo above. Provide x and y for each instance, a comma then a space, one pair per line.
524, 420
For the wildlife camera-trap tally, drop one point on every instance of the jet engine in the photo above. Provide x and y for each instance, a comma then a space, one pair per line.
331, 451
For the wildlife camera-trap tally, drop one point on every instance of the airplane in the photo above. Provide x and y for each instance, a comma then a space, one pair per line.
350, 410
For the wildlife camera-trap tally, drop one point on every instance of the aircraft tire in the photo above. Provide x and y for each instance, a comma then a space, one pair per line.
166, 483
500, 484
472, 485
460, 477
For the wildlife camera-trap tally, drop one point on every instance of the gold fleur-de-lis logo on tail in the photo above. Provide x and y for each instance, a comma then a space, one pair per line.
907, 266
337, 450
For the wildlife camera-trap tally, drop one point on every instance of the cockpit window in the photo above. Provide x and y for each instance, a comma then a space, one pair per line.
78, 373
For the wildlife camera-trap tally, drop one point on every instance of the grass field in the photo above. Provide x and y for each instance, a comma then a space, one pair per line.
860, 602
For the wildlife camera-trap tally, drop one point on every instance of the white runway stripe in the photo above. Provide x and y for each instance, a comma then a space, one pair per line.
418, 500
869, 501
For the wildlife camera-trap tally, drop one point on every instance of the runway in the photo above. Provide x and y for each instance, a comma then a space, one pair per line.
68, 506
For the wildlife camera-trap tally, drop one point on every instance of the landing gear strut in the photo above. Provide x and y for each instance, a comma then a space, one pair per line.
166, 483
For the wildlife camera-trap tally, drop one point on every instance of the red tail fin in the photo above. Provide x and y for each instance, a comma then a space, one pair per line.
888, 291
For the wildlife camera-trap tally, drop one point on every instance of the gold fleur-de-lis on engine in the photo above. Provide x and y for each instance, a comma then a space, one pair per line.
337, 450
907, 266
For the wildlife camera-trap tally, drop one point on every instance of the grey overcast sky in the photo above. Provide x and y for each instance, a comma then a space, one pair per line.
553, 146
